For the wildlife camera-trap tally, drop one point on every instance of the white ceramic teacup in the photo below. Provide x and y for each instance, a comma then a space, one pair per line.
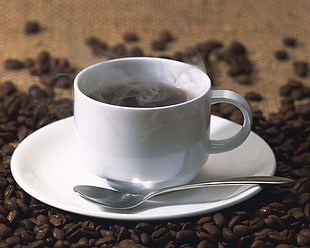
139, 148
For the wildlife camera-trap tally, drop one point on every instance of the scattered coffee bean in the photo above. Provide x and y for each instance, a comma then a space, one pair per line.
99, 48
243, 79
281, 55
135, 52
185, 237
7, 149
158, 45
289, 41
207, 47
301, 68
5, 231
13, 64
220, 220
131, 37
253, 96
32, 27
166, 36
119, 50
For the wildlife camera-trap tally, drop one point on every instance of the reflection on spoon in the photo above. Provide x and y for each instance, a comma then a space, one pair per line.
110, 198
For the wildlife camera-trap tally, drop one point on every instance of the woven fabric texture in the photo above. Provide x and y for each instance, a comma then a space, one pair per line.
259, 25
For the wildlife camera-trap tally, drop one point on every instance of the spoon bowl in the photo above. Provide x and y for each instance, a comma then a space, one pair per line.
114, 199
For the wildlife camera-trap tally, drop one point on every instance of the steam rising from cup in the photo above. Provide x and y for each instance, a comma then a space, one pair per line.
136, 94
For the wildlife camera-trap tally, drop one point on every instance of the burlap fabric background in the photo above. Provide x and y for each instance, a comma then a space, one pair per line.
260, 25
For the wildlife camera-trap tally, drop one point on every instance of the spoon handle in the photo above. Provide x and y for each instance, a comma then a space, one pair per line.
229, 181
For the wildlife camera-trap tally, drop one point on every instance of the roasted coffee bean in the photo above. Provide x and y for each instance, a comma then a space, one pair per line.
63, 81
205, 244
28, 224
129, 243
130, 37
185, 236
105, 240
13, 240
7, 149
236, 219
166, 36
240, 66
99, 48
300, 68
242, 230
290, 41
294, 83
42, 231
158, 45
161, 235
207, 47
82, 242
3, 182
23, 132
297, 94
5, 231
32, 27
258, 244
135, 51
304, 198
58, 233
220, 220
285, 90
281, 55
257, 223
228, 235
212, 229
119, 50
237, 48
28, 236
302, 240
145, 238
10, 204
188, 225
122, 233
57, 219
144, 227
73, 231
44, 61
42, 219
4, 116
62, 244
286, 236
245, 241
243, 79
253, 96
202, 235
37, 243
204, 220
13, 64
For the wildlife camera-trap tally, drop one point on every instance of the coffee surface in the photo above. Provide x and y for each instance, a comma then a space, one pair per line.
141, 95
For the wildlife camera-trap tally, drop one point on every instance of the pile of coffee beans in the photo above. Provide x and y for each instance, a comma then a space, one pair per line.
278, 217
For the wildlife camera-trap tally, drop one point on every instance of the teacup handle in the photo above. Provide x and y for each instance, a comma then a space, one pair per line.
227, 96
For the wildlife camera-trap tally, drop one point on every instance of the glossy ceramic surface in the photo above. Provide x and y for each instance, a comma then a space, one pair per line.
47, 165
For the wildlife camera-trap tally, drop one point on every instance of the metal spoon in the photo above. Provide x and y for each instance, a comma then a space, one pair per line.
110, 198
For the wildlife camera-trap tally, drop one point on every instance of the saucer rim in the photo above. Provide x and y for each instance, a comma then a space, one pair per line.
122, 215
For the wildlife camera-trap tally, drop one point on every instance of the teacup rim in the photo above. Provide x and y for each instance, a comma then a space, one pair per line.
91, 100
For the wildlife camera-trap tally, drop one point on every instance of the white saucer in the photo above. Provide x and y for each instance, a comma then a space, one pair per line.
47, 166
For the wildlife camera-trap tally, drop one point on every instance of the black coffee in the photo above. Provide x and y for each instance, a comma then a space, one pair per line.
142, 95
